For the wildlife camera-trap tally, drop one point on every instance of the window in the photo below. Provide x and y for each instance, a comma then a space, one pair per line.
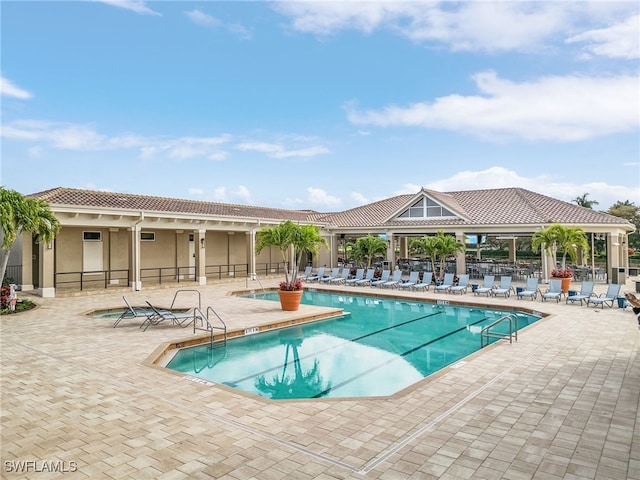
425, 208
92, 236
148, 236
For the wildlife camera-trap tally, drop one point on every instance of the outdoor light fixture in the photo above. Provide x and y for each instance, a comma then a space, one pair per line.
202, 243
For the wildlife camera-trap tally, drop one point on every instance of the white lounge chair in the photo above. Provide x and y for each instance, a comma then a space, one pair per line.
413, 279
386, 274
342, 277
359, 276
531, 290
133, 312
318, 275
179, 318
504, 288
446, 284
487, 286
613, 291
586, 291
554, 291
425, 283
333, 274
367, 279
395, 280
306, 274
461, 287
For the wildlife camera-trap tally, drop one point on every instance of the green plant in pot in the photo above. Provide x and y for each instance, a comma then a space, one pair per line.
293, 241
564, 240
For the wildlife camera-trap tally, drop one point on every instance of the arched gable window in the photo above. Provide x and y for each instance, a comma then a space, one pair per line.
426, 208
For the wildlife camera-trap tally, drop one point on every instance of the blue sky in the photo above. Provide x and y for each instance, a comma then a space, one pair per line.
321, 105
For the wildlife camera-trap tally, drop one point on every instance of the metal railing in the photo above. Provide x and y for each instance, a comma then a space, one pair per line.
487, 334
168, 273
209, 327
94, 279
236, 270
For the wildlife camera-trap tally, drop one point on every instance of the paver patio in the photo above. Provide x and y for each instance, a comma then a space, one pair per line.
82, 399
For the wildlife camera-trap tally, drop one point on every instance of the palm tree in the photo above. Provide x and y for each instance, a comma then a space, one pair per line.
583, 202
365, 249
558, 238
427, 246
446, 246
287, 235
19, 214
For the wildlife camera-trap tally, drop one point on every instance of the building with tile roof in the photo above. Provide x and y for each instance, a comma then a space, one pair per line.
121, 239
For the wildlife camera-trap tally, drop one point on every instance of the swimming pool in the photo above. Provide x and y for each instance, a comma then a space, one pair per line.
379, 348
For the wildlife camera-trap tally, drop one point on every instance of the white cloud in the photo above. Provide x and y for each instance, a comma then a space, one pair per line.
621, 40
8, 89
78, 137
201, 18
359, 198
137, 6
243, 194
276, 150
461, 26
317, 196
552, 108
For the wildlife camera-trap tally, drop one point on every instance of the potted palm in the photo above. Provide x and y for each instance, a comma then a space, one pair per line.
564, 240
295, 240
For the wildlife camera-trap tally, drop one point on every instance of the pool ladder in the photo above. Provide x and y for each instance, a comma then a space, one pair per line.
207, 326
486, 334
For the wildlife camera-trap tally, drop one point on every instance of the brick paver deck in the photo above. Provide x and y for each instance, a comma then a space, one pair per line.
80, 399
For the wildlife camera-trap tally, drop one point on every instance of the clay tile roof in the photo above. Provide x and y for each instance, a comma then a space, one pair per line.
125, 201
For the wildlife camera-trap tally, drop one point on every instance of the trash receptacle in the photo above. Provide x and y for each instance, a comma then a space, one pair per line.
619, 275
622, 302
637, 287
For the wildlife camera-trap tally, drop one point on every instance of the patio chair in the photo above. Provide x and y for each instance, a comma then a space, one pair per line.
531, 290
461, 287
396, 278
554, 291
505, 288
333, 274
413, 279
319, 274
367, 279
342, 278
613, 291
585, 292
386, 274
487, 285
306, 274
425, 283
446, 284
132, 312
359, 276
179, 318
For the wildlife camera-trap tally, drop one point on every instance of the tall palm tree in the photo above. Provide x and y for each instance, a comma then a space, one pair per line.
558, 238
301, 238
446, 246
427, 246
583, 202
365, 249
19, 214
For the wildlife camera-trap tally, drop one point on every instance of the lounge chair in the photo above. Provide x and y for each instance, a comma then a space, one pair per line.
396, 278
505, 288
333, 274
132, 312
554, 291
367, 279
383, 278
359, 276
613, 291
487, 285
179, 318
461, 287
413, 279
306, 274
425, 283
446, 284
585, 292
531, 290
319, 274
342, 277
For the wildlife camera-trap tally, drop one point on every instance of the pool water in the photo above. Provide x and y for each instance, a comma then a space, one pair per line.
379, 348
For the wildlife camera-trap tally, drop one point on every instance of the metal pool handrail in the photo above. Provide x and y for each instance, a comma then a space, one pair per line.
487, 334
209, 327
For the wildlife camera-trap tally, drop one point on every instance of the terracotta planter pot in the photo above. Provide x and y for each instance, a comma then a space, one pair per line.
290, 299
566, 284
